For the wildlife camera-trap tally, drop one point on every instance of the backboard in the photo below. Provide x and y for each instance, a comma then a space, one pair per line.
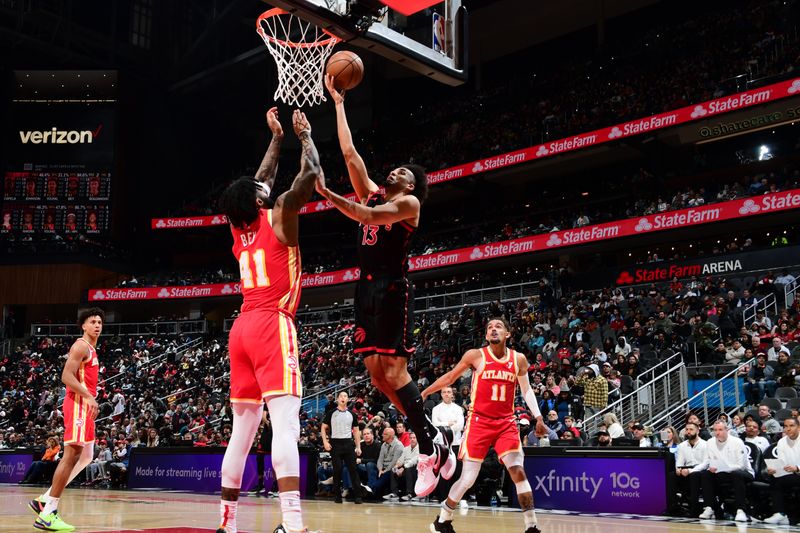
431, 41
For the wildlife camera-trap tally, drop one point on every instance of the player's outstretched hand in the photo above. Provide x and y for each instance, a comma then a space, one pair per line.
541, 429
273, 122
300, 123
338, 96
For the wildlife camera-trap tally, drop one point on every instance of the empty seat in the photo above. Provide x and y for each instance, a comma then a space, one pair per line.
783, 414
793, 403
773, 403
786, 392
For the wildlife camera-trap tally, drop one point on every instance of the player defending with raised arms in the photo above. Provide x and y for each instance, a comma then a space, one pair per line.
384, 298
496, 370
80, 410
263, 340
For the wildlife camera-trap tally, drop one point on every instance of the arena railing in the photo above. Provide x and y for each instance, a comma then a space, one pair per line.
155, 327
721, 396
667, 384
789, 294
767, 303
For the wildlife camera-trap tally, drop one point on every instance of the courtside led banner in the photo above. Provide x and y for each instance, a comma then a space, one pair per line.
14, 465
684, 218
684, 115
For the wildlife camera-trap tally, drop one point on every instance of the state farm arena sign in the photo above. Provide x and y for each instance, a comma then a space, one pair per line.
731, 210
692, 113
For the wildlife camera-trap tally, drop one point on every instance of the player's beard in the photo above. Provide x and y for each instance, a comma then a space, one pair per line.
496, 341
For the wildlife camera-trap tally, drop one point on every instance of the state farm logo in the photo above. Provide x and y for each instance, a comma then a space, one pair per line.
794, 87
643, 225
542, 151
476, 254
319, 207
216, 220
749, 207
554, 240
699, 111
615, 133
99, 295
625, 278
227, 289
163, 293
56, 136
161, 224
477, 167
348, 276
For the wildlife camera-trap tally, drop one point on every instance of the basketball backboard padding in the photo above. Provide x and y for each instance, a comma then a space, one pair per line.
409, 7
333, 16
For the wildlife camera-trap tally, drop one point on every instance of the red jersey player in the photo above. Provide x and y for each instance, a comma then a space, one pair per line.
263, 341
496, 370
80, 410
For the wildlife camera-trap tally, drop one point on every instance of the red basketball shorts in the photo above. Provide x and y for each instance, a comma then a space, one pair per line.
78, 425
264, 356
482, 432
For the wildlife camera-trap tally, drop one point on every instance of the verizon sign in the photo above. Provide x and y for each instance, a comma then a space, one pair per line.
56, 136
685, 218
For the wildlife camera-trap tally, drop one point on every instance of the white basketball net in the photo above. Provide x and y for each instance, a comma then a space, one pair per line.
300, 50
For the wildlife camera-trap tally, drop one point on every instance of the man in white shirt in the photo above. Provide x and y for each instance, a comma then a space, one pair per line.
788, 452
752, 434
728, 462
449, 414
689, 466
777, 347
638, 434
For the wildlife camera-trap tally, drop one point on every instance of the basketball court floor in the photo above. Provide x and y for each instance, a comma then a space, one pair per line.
104, 511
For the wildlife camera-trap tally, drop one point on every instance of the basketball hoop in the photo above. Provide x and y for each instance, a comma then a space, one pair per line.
300, 50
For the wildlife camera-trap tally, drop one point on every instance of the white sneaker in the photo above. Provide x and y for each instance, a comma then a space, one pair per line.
366, 488
427, 478
778, 519
741, 516
390, 496
405, 498
449, 467
707, 513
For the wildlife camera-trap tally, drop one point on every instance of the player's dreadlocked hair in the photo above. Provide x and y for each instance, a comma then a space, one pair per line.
420, 181
238, 202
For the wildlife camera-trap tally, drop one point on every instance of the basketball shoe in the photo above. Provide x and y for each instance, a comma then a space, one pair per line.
443, 461
281, 529
52, 522
36, 505
442, 527
533, 529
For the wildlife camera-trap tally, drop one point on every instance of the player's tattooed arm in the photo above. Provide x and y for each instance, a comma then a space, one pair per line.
269, 164
303, 184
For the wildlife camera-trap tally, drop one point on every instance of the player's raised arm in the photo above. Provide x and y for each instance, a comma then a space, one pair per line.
359, 178
269, 164
406, 207
528, 394
468, 360
69, 376
289, 203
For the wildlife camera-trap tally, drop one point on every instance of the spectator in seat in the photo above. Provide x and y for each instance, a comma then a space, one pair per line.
97, 468
784, 372
638, 435
752, 433
759, 380
777, 348
603, 439
42, 469
734, 353
614, 428
401, 434
367, 464
728, 463
391, 451
769, 425
788, 451
553, 422
746, 299
689, 466
405, 471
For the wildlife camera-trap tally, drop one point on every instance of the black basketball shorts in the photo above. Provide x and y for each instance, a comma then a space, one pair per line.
384, 309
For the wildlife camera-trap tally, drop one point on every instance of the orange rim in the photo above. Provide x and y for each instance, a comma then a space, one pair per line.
274, 12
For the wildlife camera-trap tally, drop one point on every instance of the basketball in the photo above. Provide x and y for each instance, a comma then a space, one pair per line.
347, 70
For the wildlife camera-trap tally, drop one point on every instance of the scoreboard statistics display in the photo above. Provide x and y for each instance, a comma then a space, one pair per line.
58, 175
56, 202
